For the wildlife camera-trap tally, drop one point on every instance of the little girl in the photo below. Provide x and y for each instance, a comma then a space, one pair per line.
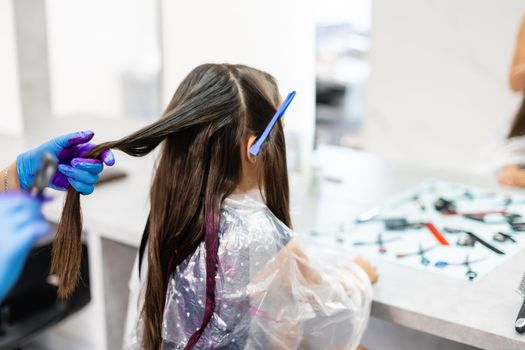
222, 268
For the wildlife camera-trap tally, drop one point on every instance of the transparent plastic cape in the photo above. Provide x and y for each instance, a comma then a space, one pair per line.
269, 293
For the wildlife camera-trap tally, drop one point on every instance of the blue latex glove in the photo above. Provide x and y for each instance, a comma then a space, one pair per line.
73, 169
21, 224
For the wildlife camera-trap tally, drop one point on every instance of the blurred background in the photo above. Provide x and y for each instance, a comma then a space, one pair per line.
418, 82
372, 74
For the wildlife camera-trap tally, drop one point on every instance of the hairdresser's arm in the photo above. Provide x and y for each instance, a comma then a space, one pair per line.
12, 178
517, 72
21, 225
512, 175
73, 169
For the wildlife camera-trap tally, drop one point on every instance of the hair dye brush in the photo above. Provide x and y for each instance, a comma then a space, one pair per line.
520, 320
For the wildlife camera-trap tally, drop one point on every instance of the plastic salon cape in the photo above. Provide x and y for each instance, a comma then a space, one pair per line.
269, 293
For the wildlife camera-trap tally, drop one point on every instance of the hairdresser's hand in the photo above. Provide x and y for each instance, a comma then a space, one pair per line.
21, 224
512, 175
73, 169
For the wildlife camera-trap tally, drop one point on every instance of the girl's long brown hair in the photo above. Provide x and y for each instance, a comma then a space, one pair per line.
518, 124
202, 132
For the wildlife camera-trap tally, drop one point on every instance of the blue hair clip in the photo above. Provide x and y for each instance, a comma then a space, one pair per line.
256, 147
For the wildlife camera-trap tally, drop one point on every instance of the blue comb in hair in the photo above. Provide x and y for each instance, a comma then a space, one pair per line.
256, 147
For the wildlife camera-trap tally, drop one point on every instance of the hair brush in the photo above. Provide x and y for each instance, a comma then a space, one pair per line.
520, 320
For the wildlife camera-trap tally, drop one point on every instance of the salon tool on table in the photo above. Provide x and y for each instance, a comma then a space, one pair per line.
471, 239
421, 252
44, 174
370, 215
495, 222
505, 202
520, 320
503, 237
467, 241
439, 237
445, 206
497, 216
512, 201
448, 207
416, 199
419, 202
380, 242
471, 274
492, 218
256, 147
400, 224
517, 226
469, 195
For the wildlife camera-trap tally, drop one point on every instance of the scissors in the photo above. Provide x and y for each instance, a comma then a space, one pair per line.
380, 242
471, 274
45, 172
421, 252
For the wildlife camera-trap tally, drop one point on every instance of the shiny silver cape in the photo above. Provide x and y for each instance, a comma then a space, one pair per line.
269, 293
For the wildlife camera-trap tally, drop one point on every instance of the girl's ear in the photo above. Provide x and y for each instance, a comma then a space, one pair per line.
251, 141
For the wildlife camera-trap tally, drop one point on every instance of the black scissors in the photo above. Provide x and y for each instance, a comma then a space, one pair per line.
471, 239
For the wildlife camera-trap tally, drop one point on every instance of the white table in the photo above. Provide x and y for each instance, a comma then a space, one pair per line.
480, 314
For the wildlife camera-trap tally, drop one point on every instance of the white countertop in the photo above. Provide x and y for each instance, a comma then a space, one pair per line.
481, 314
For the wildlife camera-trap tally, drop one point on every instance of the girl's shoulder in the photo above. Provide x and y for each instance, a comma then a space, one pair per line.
246, 221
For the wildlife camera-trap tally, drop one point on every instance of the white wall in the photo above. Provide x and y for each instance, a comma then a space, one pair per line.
10, 109
356, 12
92, 44
273, 35
438, 92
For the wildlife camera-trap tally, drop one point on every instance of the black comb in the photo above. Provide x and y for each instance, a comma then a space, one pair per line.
520, 320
